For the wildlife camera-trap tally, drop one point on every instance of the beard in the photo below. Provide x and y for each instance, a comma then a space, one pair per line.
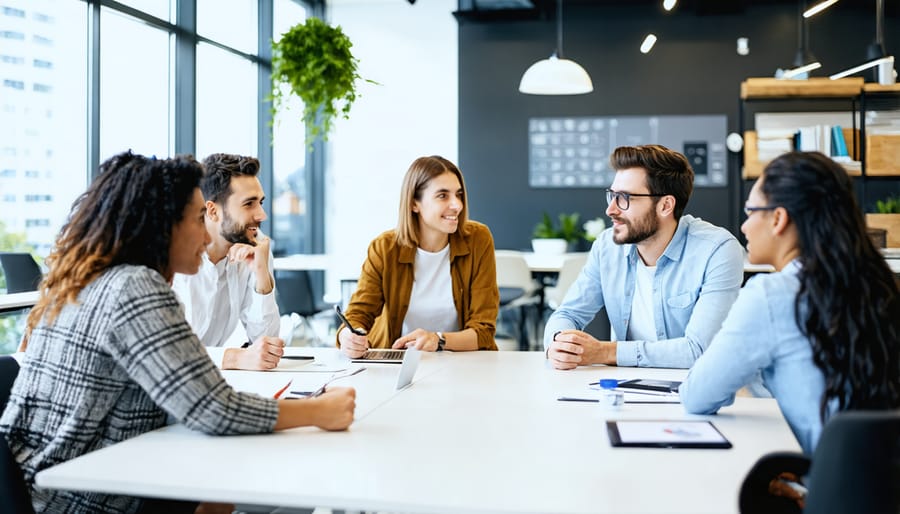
638, 230
235, 233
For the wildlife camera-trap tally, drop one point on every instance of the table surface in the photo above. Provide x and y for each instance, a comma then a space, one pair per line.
15, 301
476, 432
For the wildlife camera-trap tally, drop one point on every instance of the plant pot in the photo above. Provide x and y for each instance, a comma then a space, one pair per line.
889, 222
549, 246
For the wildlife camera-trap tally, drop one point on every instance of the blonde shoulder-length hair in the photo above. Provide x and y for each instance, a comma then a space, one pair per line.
419, 174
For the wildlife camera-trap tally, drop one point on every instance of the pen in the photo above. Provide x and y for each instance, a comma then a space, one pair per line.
571, 399
301, 393
298, 357
283, 389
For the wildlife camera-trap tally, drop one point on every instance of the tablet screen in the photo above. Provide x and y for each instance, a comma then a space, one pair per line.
666, 434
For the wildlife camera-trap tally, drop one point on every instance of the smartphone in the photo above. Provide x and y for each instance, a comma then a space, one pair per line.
357, 331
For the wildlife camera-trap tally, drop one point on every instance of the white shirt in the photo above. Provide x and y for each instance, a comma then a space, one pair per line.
431, 304
642, 326
221, 294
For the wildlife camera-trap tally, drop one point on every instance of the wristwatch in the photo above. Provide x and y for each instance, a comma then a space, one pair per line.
441, 341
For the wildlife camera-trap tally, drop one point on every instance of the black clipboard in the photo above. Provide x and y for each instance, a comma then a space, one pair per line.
665, 434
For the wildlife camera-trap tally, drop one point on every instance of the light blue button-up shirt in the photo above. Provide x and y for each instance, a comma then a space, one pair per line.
761, 334
697, 279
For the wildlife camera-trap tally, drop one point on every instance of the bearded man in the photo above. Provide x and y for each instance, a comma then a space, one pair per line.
235, 281
667, 281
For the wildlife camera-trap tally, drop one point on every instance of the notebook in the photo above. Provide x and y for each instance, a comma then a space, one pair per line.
384, 355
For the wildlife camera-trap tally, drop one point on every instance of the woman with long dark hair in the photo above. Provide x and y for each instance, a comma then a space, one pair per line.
109, 353
824, 329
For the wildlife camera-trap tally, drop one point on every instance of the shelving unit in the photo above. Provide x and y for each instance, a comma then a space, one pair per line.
879, 154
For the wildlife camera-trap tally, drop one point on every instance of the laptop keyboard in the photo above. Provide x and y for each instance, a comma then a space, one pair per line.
383, 355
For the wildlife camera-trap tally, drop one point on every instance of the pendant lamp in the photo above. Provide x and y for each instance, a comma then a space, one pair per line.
875, 54
804, 60
556, 75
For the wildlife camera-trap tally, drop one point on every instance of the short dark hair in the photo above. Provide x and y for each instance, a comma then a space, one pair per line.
668, 171
220, 169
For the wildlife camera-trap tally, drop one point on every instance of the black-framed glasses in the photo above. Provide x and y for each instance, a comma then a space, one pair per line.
748, 210
622, 199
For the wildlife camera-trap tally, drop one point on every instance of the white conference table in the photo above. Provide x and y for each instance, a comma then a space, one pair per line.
476, 432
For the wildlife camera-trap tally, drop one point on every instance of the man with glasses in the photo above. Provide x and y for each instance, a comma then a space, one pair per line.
667, 281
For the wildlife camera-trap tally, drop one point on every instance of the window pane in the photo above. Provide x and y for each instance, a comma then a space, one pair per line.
226, 103
43, 105
162, 9
235, 26
290, 215
134, 84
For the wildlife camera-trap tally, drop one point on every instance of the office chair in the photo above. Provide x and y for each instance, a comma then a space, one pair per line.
569, 271
294, 294
14, 494
22, 273
855, 468
518, 290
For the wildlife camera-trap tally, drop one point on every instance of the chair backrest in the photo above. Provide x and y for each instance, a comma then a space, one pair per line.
513, 271
856, 465
569, 271
294, 293
9, 370
14, 495
22, 273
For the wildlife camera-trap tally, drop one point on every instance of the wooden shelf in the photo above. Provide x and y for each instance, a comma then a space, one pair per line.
873, 87
753, 166
765, 87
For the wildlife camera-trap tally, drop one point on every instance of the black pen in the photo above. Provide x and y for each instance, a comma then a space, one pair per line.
298, 357
571, 399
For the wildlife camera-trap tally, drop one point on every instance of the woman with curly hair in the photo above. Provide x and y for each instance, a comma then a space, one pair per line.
109, 353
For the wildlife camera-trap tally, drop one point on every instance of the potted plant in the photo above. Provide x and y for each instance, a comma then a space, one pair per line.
887, 217
313, 61
549, 238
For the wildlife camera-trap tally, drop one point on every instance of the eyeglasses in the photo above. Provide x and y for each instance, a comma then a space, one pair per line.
622, 199
750, 210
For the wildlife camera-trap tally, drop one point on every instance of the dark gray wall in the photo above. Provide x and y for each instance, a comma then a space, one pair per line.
694, 69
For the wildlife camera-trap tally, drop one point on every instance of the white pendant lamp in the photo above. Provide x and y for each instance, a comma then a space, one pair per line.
556, 75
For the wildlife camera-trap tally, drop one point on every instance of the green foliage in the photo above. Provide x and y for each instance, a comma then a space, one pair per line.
568, 228
890, 205
314, 59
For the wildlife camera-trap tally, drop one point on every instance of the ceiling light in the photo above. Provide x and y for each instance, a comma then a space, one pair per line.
871, 64
819, 7
670, 4
556, 75
648, 43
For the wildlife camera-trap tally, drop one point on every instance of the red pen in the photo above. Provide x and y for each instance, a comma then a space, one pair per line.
283, 389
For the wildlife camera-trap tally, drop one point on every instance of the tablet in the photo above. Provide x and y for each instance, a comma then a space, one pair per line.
665, 434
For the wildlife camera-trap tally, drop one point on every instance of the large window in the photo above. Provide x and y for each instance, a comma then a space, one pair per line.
134, 84
43, 106
292, 183
227, 103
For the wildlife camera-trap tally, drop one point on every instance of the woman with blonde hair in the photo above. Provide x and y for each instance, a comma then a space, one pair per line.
431, 283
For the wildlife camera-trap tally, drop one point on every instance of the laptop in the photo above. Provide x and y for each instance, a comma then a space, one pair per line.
382, 355
408, 368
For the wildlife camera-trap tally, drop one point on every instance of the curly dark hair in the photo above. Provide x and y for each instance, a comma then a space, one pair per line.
848, 304
126, 216
220, 169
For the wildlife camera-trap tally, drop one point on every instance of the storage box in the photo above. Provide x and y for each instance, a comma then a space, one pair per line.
882, 154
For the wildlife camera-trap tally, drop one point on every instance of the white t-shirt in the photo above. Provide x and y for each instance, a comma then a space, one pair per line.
222, 294
642, 326
431, 304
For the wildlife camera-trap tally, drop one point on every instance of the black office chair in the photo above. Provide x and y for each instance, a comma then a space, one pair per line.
855, 468
294, 292
14, 494
22, 273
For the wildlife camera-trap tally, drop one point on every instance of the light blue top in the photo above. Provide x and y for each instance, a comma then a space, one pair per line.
761, 334
697, 279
